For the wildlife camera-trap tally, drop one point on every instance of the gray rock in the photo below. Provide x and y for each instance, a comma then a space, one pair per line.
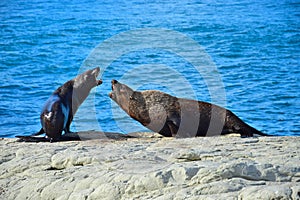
146, 167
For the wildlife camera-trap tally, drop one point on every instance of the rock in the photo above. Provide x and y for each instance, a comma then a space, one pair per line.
280, 192
147, 167
61, 161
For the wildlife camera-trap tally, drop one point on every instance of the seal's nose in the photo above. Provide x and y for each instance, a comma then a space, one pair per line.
114, 81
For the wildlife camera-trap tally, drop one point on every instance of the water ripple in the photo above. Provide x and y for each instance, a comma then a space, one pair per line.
255, 45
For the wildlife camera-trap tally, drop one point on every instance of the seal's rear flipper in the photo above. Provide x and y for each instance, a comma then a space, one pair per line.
249, 131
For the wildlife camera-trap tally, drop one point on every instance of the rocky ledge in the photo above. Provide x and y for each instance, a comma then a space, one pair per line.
146, 166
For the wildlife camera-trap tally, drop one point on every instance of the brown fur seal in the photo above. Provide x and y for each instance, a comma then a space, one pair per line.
59, 109
172, 116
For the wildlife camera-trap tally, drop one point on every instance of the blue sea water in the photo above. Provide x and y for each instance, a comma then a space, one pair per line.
248, 56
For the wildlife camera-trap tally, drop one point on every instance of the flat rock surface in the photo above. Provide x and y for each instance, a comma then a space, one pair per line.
150, 167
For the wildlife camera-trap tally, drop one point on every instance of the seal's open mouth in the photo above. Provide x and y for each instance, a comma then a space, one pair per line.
121, 94
112, 93
99, 82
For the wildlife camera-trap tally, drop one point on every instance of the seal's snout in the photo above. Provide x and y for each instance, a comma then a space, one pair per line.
114, 81
112, 93
99, 82
95, 71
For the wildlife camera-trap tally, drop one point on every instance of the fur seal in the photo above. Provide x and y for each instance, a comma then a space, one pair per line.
177, 117
58, 111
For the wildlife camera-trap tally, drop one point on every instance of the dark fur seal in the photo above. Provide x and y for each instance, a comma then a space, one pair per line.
172, 116
59, 109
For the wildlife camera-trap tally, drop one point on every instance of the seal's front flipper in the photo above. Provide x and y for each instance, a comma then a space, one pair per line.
46, 139
32, 139
66, 137
173, 122
173, 127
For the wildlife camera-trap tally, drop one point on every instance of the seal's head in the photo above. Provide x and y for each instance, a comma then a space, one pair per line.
121, 94
82, 86
88, 79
